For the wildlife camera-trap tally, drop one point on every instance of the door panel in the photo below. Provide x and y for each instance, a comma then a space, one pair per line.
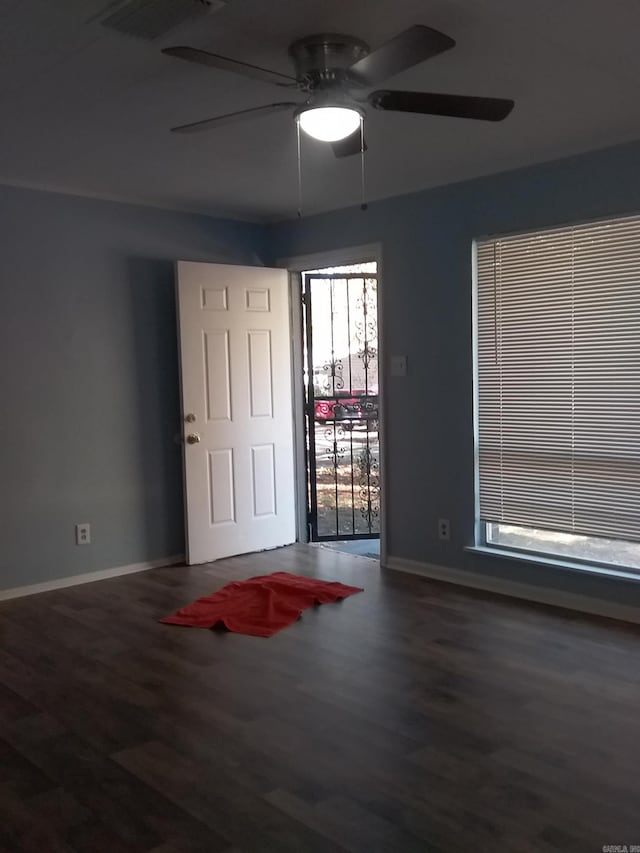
260, 380
235, 348
264, 480
217, 375
221, 489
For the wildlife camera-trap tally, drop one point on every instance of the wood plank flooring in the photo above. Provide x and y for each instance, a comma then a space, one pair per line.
416, 716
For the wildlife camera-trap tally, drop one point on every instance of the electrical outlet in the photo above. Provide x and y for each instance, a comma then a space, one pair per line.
444, 530
83, 534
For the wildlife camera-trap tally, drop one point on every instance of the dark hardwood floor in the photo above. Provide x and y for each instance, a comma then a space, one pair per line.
416, 716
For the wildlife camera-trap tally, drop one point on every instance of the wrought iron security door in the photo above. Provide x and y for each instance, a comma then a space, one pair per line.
341, 388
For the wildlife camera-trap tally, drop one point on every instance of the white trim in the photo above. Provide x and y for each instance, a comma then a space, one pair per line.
183, 459
476, 390
297, 385
536, 558
382, 404
333, 258
337, 258
89, 577
565, 223
541, 595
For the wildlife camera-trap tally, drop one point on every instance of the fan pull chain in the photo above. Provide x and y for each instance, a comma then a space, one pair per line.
299, 171
363, 203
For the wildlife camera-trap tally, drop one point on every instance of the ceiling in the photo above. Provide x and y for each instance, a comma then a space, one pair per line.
86, 110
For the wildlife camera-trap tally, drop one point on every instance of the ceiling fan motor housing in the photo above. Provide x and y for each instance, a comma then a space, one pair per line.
323, 60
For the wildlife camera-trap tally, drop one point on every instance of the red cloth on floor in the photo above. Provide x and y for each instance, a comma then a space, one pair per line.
260, 606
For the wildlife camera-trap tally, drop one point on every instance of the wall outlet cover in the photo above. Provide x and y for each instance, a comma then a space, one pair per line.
83, 534
444, 529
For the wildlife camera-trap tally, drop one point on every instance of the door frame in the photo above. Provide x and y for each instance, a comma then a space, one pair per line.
296, 266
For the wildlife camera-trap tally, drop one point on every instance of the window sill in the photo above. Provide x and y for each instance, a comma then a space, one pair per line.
554, 563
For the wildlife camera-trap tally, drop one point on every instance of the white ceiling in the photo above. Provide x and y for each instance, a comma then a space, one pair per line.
87, 111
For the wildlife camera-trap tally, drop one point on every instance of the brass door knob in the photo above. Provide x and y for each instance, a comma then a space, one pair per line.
193, 438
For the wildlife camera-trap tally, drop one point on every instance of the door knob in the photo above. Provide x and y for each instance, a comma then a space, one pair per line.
193, 438
190, 418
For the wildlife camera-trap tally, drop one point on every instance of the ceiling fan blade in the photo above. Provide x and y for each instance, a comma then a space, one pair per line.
405, 50
230, 118
348, 146
456, 106
224, 63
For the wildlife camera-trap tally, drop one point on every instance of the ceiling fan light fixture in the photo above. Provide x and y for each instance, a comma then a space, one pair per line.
329, 123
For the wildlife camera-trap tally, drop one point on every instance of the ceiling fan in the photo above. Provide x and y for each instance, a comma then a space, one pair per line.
332, 72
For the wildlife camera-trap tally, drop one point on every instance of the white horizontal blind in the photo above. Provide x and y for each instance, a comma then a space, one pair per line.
558, 360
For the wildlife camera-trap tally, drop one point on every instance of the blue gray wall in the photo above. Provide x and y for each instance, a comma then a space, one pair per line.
89, 378
427, 260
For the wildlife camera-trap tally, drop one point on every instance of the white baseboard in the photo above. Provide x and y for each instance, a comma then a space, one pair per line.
89, 577
541, 595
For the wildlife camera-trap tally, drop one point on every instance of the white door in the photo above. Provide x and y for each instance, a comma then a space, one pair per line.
237, 411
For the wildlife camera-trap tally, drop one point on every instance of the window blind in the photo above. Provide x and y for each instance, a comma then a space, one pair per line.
558, 379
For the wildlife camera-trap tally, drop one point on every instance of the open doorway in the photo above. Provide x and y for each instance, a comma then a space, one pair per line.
341, 406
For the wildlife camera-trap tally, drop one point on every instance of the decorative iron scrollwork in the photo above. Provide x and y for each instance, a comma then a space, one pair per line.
366, 327
334, 369
344, 483
336, 435
369, 482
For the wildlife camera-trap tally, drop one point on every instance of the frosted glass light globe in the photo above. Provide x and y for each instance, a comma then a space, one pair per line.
329, 124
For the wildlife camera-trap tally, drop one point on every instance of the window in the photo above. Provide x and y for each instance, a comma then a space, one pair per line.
558, 392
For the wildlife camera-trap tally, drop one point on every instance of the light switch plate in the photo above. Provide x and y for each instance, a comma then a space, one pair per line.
398, 365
